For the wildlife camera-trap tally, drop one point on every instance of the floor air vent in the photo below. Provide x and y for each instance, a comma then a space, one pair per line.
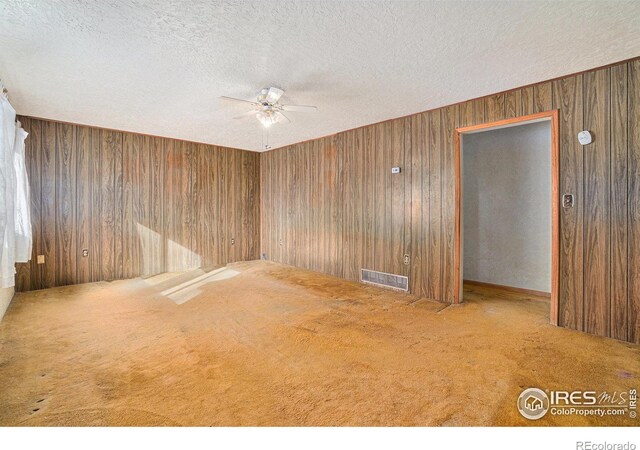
386, 280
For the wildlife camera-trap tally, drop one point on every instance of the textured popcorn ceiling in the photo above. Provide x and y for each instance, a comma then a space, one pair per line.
159, 67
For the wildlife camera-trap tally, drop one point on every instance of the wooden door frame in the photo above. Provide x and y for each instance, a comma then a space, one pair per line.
551, 116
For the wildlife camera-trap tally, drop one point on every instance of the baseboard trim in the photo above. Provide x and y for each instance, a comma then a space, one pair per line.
509, 288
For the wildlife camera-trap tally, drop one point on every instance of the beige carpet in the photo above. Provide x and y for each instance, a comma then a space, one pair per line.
274, 345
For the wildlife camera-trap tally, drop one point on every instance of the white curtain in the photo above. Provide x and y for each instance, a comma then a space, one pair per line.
15, 222
23, 202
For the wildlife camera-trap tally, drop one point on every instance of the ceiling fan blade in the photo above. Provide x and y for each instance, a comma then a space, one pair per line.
238, 100
282, 117
273, 95
299, 108
247, 114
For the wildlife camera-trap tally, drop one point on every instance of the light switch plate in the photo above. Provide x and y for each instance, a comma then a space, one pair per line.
395, 170
40, 259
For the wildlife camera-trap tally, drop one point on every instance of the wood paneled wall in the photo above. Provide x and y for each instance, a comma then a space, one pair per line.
332, 204
140, 205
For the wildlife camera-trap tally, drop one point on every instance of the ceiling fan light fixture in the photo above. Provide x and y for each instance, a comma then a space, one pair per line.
267, 108
266, 118
273, 94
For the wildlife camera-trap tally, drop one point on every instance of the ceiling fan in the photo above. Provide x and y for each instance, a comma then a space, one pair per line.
267, 108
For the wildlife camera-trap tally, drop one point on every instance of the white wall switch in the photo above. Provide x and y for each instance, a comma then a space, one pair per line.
395, 170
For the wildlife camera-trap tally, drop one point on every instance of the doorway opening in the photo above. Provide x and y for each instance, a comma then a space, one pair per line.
508, 188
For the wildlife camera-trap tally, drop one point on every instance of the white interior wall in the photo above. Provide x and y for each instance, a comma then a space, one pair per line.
507, 206
6, 294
